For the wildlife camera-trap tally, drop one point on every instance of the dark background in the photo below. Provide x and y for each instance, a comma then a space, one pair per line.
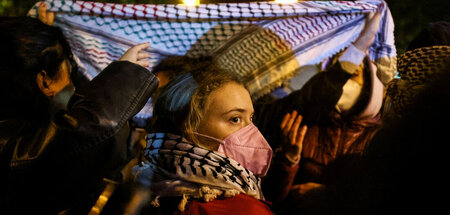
410, 16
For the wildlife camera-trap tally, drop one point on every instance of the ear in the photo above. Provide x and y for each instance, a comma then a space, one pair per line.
43, 82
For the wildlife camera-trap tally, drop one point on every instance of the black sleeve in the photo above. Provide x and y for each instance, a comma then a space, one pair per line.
64, 161
107, 102
94, 130
314, 101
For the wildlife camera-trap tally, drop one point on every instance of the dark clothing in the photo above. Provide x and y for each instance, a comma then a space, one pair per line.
279, 179
314, 102
59, 164
330, 134
402, 160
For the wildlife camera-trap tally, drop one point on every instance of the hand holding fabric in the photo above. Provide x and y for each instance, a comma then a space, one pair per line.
293, 135
367, 35
45, 16
135, 55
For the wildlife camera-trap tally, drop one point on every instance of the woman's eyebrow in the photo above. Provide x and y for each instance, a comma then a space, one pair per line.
241, 110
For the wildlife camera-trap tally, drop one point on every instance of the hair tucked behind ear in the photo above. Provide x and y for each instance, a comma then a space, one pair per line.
181, 105
209, 81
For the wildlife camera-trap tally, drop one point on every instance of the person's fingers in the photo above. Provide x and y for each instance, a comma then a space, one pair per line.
141, 46
368, 34
46, 17
369, 15
133, 53
142, 55
50, 18
377, 16
301, 136
285, 120
143, 63
42, 7
42, 12
294, 129
374, 20
290, 122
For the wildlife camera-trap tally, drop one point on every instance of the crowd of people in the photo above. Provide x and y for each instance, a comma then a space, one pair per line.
345, 143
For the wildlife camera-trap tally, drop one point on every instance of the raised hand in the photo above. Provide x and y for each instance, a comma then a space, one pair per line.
293, 135
46, 17
367, 35
135, 55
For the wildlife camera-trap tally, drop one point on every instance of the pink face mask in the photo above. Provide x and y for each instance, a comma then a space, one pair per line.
248, 147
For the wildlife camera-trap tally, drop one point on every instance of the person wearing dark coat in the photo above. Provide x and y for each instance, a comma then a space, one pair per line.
57, 160
341, 107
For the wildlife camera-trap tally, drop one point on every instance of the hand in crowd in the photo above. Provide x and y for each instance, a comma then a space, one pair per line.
367, 35
45, 16
293, 135
299, 192
135, 55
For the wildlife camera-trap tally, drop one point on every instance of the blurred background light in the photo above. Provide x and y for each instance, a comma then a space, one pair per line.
191, 2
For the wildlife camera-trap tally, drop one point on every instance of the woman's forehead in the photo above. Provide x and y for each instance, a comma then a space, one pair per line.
228, 97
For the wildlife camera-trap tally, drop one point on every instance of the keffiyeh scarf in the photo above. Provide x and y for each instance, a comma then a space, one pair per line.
415, 68
175, 167
264, 43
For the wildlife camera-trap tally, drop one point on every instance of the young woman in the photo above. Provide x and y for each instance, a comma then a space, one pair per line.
205, 155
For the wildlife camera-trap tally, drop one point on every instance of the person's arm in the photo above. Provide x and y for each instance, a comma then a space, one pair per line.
314, 101
110, 99
322, 92
350, 61
99, 110
278, 182
285, 163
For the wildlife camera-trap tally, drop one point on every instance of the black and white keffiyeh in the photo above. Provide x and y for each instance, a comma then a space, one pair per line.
176, 167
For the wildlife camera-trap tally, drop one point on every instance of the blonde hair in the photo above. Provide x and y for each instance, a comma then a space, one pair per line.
180, 108
209, 81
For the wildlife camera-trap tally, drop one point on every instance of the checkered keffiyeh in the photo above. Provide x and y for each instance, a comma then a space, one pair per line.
415, 67
264, 43
176, 167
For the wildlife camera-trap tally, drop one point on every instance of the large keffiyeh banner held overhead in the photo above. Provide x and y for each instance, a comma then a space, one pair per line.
264, 43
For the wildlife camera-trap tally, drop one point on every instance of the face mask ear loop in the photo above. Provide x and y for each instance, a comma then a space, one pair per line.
209, 137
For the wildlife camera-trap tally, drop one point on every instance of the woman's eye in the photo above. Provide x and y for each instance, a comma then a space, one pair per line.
235, 120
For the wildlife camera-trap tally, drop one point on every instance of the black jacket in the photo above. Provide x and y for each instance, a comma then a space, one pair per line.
315, 101
59, 164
